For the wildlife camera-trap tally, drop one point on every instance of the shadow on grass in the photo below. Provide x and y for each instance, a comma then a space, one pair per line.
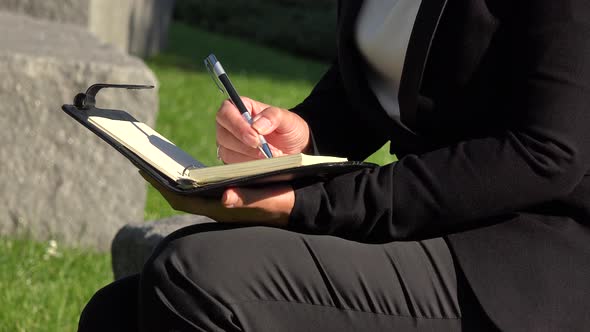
188, 46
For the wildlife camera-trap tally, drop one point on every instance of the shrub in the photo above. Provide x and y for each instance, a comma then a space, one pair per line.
302, 27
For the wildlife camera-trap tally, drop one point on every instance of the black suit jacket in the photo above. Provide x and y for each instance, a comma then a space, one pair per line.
496, 95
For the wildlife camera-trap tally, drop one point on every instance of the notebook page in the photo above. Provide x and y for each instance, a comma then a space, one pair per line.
145, 142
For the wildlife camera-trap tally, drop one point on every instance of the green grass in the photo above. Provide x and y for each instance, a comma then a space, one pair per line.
40, 291
44, 288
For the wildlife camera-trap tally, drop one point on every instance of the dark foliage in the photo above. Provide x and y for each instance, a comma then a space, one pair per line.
302, 27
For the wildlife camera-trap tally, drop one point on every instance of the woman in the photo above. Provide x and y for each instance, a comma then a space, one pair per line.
482, 224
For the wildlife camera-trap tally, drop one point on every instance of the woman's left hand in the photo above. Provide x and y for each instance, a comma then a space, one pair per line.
269, 206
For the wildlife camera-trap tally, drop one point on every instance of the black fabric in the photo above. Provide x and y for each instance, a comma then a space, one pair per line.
218, 278
113, 308
497, 159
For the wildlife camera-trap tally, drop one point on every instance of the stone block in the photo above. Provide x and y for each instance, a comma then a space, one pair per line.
138, 27
59, 181
63, 11
134, 243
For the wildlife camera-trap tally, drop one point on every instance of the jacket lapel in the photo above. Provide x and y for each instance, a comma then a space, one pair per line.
352, 69
350, 60
417, 54
352, 63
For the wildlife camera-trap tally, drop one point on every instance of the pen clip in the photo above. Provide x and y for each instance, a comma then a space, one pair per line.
210, 63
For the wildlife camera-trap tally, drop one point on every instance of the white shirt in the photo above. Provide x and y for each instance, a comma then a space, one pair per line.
382, 34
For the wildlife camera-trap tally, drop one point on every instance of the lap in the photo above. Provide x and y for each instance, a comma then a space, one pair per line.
205, 271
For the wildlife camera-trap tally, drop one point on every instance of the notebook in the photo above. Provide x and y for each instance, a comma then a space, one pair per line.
178, 171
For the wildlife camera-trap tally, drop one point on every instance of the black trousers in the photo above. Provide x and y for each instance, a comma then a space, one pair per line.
214, 277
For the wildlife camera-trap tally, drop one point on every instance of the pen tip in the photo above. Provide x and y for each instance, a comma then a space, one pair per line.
266, 150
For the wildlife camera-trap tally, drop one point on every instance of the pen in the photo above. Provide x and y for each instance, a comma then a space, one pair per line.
220, 78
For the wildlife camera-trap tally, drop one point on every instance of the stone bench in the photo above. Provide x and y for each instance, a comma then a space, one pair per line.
59, 181
134, 243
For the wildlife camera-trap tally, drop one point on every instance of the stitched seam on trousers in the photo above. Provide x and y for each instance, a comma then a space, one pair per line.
343, 309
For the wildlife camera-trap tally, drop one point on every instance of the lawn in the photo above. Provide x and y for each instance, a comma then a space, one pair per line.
43, 287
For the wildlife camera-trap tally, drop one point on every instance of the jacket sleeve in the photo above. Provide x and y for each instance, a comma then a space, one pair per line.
539, 158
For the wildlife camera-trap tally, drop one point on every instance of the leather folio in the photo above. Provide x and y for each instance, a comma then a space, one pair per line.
84, 105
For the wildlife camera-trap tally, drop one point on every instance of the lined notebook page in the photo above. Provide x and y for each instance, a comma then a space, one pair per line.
144, 142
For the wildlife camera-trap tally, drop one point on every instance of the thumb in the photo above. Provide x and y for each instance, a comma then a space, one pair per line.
267, 198
268, 120
243, 197
232, 198
290, 127
281, 121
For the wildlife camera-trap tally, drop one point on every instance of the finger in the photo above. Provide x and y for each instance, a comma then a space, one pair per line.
269, 206
269, 198
229, 117
229, 156
290, 127
268, 120
228, 141
254, 106
274, 119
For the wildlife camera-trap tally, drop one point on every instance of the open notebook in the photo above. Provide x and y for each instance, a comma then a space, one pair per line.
171, 166
177, 164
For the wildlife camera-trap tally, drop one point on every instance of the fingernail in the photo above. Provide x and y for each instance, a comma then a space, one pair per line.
229, 199
261, 124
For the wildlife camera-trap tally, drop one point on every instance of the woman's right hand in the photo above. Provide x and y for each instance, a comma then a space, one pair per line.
285, 131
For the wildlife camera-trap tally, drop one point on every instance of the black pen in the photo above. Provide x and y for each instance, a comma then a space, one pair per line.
224, 84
